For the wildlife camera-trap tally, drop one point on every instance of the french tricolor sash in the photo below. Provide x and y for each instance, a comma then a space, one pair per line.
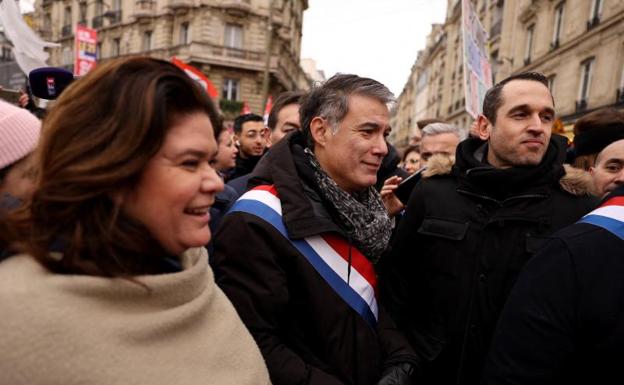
609, 216
328, 253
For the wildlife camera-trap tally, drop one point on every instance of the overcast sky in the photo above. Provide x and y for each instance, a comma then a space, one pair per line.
373, 38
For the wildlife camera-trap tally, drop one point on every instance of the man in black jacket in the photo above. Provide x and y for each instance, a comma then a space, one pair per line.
296, 254
250, 137
563, 322
466, 235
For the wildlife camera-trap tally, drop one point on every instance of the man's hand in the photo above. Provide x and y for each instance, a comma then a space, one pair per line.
391, 202
397, 375
23, 99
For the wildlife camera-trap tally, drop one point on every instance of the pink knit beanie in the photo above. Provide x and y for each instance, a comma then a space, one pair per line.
19, 133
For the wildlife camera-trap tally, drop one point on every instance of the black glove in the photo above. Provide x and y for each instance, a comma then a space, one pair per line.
399, 374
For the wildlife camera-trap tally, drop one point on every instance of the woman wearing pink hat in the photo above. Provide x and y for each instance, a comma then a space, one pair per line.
19, 134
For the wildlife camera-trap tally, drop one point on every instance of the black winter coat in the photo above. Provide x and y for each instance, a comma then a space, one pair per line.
564, 320
463, 240
306, 332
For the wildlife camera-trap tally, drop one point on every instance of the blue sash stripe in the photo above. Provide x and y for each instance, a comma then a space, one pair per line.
612, 225
346, 292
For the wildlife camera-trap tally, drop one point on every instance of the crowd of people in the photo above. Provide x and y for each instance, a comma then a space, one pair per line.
144, 241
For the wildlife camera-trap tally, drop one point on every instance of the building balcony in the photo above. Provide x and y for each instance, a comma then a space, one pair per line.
66, 30
144, 8
114, 17
581, 105
238, 7
46, 33
97, 22
593, 22
179, 4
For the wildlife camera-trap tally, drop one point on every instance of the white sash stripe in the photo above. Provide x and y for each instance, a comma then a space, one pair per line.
614, 212
341, 267
325, 251
265, 197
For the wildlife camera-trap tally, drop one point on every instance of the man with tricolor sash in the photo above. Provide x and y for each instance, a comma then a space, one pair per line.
564, 320
296, 254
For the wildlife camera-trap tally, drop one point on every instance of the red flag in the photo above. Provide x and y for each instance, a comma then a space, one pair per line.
198, 76
267, 110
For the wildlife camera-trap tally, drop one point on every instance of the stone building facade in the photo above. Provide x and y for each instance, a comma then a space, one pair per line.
577, 44
228, 40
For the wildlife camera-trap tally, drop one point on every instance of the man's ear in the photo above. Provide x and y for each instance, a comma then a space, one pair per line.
484, 127
319, 129
236, 140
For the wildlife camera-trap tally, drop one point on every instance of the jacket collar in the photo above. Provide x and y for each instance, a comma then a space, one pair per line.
478, 176
286, 167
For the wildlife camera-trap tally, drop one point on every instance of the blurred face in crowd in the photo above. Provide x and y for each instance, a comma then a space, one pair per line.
608, 173
415, 137
19, 179
287, 122
352, 155
412, 162
252, 140
444, 144
521, 132
175, 191
226, 154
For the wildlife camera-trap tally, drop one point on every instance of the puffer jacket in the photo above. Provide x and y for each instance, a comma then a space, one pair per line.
465, 236
306, 332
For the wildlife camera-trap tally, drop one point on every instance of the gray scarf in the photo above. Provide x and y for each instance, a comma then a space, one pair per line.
362, 214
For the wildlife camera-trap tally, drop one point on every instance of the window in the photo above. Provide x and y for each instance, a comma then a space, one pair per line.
529, 44
551, 84
620, 90
98, 51
147, 40
184, 33
230, 89
82, 13
67, 57
116, 5
557, 26
67, 16
233, 36
596, 9
594, 14
115, 47
585, 83
99, 7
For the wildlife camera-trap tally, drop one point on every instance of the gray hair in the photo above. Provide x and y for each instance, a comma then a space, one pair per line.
330, 100
443, 128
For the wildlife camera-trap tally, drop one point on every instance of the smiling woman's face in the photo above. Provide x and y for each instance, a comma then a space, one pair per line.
175, 191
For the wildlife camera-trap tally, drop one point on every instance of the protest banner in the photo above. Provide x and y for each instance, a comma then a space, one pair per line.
477, 68
85, 54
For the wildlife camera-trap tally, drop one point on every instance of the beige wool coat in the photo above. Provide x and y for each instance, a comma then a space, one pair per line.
76, 329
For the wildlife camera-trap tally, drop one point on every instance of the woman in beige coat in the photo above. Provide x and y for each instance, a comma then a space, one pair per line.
107, 282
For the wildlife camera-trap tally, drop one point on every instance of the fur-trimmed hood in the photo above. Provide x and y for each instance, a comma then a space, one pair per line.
575, 181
